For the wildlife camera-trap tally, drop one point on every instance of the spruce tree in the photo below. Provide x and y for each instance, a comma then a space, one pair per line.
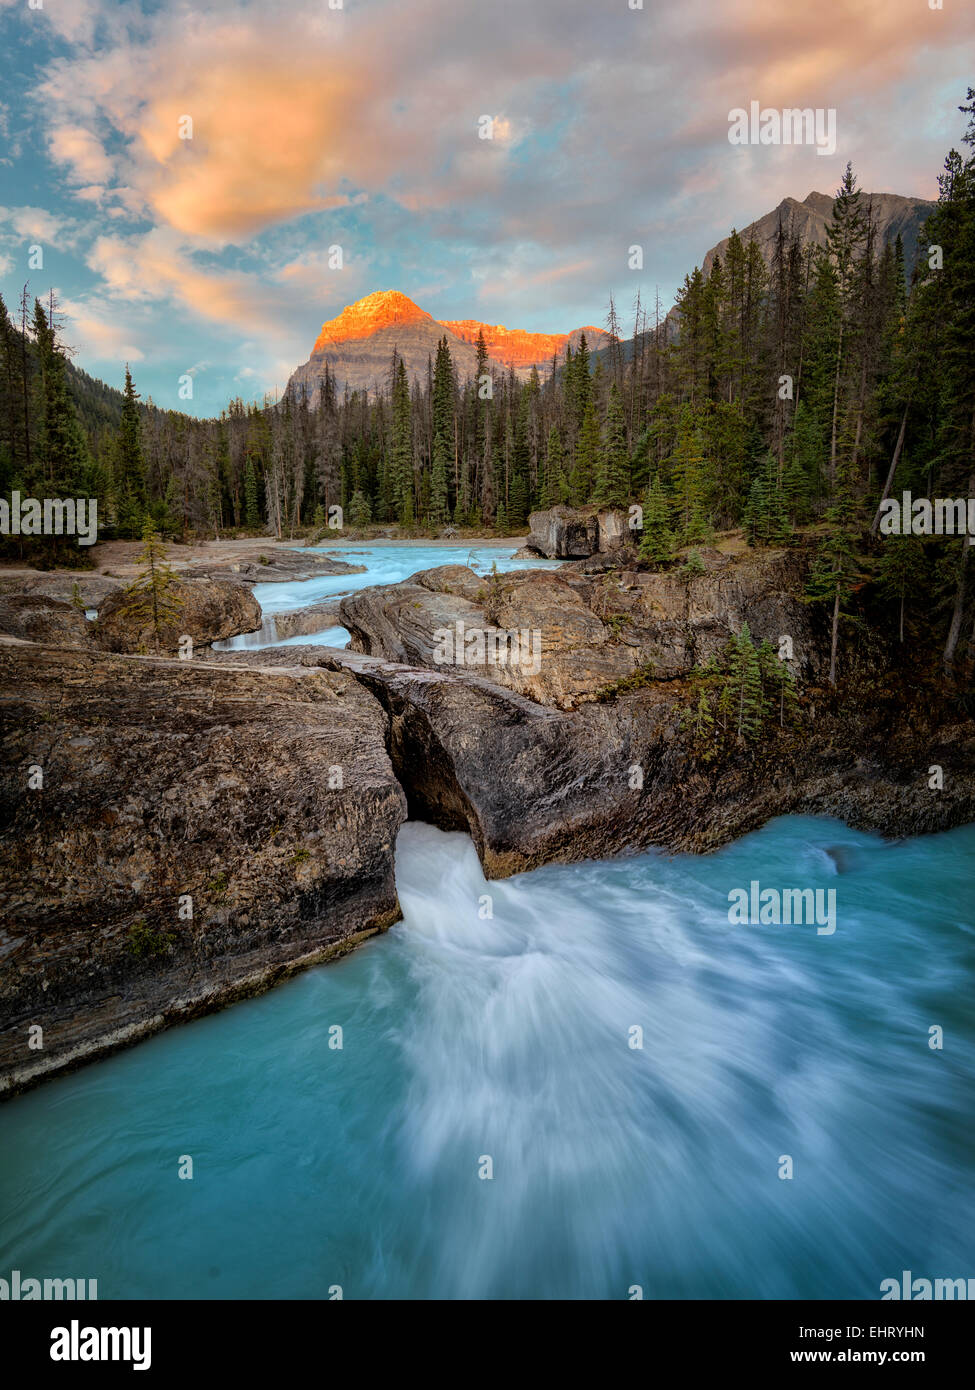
742, 702
612, 484
151, 600
657, 543
128, 465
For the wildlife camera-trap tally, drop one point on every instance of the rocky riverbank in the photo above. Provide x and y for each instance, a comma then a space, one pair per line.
178, 835
265, 787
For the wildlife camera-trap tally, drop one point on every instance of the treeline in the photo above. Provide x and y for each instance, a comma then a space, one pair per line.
779, 395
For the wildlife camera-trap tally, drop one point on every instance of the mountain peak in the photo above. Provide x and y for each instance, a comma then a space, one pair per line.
378, 310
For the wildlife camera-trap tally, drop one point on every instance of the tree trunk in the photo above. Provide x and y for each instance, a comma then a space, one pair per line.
836, 407
958, 612
836, 637
893, 469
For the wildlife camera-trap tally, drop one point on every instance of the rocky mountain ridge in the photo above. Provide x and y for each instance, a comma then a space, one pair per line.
358, 344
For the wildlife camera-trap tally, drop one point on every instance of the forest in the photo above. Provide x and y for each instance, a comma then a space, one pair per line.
780, 397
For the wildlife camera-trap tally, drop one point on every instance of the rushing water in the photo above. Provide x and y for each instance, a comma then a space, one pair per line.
467, 1035
385, 565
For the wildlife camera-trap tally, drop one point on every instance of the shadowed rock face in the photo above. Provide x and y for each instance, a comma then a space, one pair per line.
209, 611
163, 779
37, 618
893, 214
567, 533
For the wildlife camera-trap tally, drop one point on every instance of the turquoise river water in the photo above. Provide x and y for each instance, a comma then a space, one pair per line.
491, 1126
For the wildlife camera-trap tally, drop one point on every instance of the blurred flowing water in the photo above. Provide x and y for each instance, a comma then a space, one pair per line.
384, 565
469, 1036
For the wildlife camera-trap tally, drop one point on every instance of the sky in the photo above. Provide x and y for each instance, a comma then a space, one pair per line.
358, 124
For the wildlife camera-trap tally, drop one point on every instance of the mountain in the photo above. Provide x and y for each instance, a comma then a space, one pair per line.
513, 347
358, 345
894, 216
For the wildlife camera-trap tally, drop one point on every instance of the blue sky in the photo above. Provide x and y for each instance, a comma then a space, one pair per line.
358, 126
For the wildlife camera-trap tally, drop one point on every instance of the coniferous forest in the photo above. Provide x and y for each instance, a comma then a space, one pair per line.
776, 398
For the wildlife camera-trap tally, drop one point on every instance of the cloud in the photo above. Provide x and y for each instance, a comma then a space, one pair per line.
81, 152
98, 338
312, 126
35, 224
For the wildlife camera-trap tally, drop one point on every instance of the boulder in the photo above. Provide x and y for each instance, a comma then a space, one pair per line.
36, 618
81, 589
560, 533
566, 533
208, 611
264, 799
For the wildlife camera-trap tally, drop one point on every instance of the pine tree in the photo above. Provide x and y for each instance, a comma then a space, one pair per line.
900, 572
62, 447
583, 475
401, 448
742, 703
552, 487
151, 600
612, 484
689, 482
252, 515
657, 544
778, 683
128, 465
359, 514
765, 520
834, 577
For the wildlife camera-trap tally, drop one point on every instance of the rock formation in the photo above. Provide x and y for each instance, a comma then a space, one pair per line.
261, 801
205, 610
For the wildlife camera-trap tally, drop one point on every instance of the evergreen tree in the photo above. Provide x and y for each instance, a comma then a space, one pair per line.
689, 482
61, 444
128, 465
899, 572
252, 516
657, 544
359, 514
151, 600
765, 520
552, 487
612, 484
742, 702
835, 576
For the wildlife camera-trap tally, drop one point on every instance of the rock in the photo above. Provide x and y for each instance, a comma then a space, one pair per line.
316, 617
271, 565
89, 589
578, 633
36, 618
161, 779
565, 533
209, 611
297, 622
532, 784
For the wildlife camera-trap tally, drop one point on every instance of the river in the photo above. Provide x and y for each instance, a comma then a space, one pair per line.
581, 1082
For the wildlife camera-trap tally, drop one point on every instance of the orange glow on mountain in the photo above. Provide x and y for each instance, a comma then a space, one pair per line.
368, 316
513, 346
506, 347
